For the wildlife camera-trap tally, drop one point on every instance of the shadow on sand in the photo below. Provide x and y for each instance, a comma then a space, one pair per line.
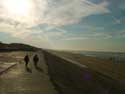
28, 70
39, 69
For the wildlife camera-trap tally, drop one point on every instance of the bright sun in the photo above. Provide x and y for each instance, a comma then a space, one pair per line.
17, 7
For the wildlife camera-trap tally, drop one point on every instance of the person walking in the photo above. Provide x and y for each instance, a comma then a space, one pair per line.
26, 59
35, 60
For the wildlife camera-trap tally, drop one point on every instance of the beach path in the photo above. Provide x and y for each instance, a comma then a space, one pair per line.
18, 80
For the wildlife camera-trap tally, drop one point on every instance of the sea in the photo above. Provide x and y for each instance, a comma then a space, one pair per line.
114, 56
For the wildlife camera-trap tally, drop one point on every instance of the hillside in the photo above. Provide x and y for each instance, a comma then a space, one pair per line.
16, 47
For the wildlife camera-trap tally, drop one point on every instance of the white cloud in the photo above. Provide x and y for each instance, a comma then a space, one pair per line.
116, 21
52, 12
56, 12
71, 11
90, 35
75, 38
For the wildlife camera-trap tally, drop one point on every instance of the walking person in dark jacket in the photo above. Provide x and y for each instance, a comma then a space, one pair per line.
26, 59
35, 60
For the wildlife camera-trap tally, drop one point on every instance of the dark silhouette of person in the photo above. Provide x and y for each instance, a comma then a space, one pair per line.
26, 59
35, 60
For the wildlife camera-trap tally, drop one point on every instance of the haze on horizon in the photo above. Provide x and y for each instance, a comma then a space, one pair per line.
64, 24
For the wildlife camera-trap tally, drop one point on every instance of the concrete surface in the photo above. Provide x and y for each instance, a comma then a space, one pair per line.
19, 80
6, 66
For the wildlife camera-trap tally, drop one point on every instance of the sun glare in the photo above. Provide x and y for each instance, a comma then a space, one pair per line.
17, 7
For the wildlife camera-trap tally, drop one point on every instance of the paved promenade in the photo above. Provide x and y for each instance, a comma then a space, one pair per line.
6, 66
18, 80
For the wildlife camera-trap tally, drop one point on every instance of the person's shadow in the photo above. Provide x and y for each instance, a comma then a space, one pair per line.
39, 69
28, 70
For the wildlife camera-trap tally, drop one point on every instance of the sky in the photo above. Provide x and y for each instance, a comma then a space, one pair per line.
94, 25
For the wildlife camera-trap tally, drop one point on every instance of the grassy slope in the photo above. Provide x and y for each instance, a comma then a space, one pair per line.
107, 67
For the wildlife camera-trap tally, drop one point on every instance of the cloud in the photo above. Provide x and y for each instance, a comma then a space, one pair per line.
116, 21
75, 38
70, 11
117, 34
33, 37
51, 12
55, 12
95, 33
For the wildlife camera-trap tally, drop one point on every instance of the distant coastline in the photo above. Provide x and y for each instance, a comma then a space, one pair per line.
114, 56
